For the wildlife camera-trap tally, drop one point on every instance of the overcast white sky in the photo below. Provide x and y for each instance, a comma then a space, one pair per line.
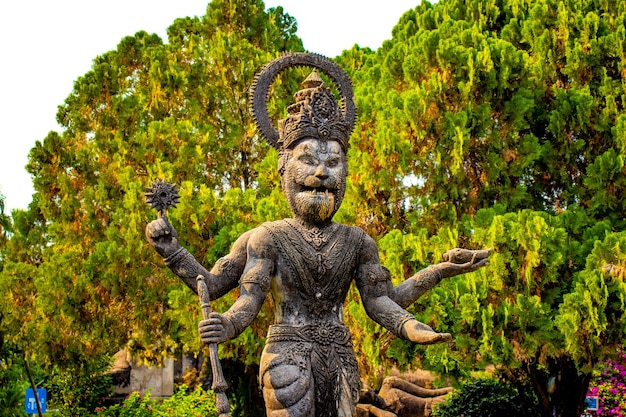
46, 45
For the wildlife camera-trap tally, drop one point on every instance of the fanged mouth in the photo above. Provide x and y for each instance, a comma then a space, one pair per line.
317, 191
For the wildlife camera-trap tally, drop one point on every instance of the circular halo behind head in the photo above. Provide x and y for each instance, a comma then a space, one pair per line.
307, 116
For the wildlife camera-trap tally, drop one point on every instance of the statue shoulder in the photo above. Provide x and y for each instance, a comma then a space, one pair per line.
260, 243
274, 225
356, 230
357, 233
369, 248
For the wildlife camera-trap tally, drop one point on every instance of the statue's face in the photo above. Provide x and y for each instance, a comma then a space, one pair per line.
314, 179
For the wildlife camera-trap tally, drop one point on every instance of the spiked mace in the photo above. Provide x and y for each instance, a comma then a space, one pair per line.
162, 195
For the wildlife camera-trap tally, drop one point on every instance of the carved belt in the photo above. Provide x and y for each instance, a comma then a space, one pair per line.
322, 333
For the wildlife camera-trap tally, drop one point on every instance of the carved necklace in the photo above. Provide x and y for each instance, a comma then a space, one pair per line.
314, 236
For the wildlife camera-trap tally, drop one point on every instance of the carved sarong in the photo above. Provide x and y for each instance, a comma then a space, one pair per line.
306, 366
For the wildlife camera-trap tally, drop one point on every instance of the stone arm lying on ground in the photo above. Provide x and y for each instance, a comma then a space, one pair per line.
410, 400
396, 382
456, 261
400, 397
369, 410
223, 277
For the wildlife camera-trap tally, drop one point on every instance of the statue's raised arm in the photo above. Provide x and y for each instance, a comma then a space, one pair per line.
161, 235
374, 284
455, 262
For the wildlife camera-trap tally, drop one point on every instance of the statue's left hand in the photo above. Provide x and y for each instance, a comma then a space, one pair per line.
459, 261
216, 329
423, 334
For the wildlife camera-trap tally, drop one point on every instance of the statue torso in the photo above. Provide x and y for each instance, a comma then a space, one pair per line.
313, 271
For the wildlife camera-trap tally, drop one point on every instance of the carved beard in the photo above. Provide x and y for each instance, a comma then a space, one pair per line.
314, 207
311, 204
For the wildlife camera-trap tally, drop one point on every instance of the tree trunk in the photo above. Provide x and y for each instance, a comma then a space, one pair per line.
562, 390
571, 389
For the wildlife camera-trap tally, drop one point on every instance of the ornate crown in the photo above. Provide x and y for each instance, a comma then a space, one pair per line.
315, 113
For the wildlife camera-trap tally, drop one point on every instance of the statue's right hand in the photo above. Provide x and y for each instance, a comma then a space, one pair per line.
162, 236
216, 329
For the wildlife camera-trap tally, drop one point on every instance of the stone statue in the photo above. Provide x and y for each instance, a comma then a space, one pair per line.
308, 262
408, 395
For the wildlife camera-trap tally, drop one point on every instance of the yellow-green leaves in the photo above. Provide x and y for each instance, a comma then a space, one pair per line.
149, 109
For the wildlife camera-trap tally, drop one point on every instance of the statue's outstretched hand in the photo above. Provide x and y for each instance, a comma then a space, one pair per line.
460, 261
216, 329
423, 334
162, 236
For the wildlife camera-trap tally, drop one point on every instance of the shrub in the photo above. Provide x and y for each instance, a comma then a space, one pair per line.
77, 390
610, 387
487, 397
183, 403
12, 385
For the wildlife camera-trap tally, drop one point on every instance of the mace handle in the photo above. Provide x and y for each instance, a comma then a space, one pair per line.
219, 383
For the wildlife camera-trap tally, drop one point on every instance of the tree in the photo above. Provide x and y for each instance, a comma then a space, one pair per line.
5, 220
5, 226
499, 124
10, 378
88, 284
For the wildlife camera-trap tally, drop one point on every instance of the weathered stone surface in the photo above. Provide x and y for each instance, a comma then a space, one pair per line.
406, 395
368, 410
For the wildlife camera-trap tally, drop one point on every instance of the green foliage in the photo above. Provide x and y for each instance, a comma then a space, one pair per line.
593, 312
488, 397
77, 390
183, 403
475, 102
5, 225
79, 280
13, 382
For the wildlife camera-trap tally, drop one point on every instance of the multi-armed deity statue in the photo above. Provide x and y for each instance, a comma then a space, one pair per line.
308, 262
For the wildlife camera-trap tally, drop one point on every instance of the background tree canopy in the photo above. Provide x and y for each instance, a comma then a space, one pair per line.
482, 123
500, 124
79, 279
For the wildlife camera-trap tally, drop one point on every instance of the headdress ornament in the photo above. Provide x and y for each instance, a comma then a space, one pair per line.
315, 113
